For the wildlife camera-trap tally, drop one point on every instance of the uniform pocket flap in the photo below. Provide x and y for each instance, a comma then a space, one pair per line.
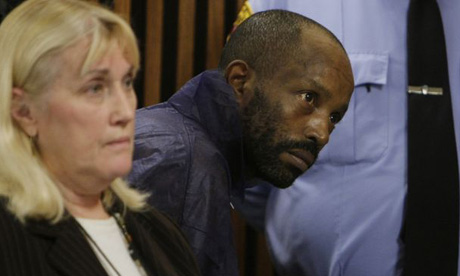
369, 68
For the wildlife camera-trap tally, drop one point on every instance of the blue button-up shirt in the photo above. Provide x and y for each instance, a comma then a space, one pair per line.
344, 216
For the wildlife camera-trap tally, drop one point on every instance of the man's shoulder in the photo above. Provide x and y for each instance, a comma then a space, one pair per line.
158, 118
156, 113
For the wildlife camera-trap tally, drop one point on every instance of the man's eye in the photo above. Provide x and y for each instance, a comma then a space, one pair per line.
309, 97
335, 117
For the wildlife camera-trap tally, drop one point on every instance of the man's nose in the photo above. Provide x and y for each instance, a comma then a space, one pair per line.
319, 130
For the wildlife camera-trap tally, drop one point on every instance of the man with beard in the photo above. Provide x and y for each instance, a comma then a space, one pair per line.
282, 84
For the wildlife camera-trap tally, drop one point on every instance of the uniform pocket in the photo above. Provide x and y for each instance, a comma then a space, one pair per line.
363, 133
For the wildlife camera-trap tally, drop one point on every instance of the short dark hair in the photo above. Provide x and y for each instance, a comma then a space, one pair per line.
268, 38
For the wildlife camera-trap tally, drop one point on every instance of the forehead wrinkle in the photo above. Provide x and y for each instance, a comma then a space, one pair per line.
318, 86
104, 72
330, 67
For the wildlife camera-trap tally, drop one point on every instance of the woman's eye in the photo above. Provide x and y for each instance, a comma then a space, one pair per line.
335, 117
129, 83
309, 97
96, 88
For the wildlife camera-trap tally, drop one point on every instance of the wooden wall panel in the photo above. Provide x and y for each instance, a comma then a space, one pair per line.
153, 50
123, 7
185, 42
216, 32
263, 262
239, 229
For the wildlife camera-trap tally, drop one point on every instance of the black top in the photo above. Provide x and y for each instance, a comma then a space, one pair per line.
40, 248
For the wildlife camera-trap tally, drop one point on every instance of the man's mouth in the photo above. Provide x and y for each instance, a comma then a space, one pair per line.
301, 159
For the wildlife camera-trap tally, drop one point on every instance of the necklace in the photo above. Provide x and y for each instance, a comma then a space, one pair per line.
128, 241
93, 242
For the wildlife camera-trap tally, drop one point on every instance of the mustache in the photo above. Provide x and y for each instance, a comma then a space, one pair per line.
308, 145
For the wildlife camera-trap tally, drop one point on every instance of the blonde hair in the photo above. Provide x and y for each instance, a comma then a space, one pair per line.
31, 37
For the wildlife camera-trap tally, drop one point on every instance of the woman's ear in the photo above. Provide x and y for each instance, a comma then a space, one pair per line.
241, 77
21, 111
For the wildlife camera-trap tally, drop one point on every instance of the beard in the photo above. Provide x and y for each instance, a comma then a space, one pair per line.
265, 139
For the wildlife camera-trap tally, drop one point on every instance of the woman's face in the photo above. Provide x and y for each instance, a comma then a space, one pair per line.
85, 123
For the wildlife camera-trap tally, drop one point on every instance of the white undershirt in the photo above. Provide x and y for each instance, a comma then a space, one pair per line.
110, 239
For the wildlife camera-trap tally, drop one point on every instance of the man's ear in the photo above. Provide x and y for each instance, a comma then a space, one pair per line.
21, 111
242, 78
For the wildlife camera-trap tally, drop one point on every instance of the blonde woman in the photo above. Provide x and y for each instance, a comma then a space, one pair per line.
67, 109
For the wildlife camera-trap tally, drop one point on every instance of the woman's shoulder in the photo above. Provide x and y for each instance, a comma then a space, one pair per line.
7, 219
13, 239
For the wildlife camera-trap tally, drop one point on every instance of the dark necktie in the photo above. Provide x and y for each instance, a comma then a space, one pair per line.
432, 210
